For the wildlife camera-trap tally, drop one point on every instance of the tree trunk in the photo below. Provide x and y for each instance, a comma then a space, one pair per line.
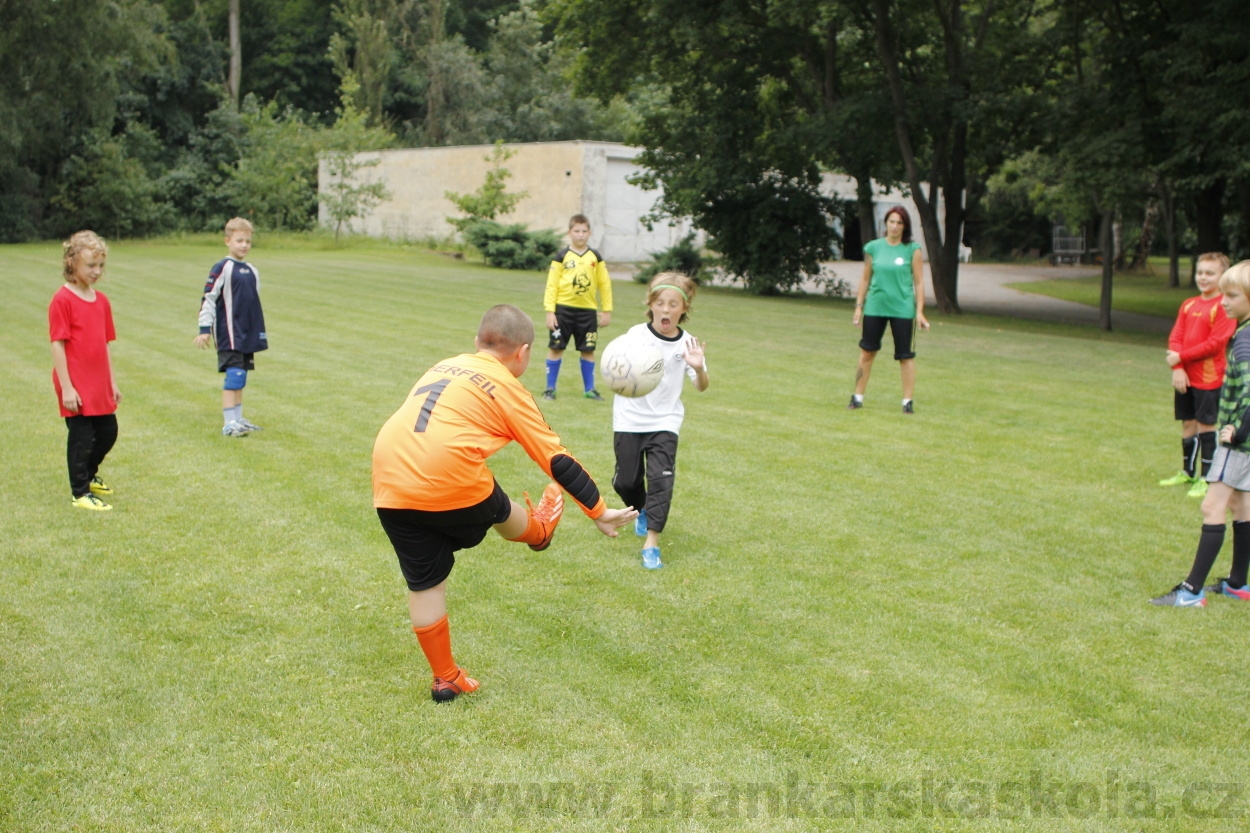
867, 209
944, 285
1209, 217
1169, 225
1243, 197
234, 80
1106, 242
1141, 258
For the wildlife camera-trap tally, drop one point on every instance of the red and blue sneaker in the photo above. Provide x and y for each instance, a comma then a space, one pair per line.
1223, 588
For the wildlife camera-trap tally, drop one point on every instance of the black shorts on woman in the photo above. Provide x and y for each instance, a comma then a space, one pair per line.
903, 330
425, 541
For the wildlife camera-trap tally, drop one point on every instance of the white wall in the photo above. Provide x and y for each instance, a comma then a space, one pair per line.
561, 178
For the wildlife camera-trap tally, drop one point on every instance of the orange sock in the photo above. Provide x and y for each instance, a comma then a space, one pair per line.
435, 642
541, 520
534, 532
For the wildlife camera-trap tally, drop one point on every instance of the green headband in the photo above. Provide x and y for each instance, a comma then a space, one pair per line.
660, 286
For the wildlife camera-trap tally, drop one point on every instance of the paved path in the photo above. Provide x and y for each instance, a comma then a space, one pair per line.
983, 289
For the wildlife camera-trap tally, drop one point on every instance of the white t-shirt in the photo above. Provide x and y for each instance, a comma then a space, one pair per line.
661, 409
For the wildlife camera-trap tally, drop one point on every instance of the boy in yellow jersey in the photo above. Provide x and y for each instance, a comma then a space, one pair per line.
576, 274
434, 493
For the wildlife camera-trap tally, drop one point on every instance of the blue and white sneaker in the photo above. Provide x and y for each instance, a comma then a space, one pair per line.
234, 429
1223, 588
640, 525
1181, 596
249, 425
651, 558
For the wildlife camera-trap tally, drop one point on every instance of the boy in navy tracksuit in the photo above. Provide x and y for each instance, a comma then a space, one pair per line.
231, 310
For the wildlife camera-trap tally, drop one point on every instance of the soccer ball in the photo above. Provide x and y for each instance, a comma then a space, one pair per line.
631, 366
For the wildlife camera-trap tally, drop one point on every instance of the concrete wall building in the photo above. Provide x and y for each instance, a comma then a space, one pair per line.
561, 179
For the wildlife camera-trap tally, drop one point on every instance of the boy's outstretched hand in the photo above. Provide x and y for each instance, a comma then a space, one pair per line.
612, 520
201, 341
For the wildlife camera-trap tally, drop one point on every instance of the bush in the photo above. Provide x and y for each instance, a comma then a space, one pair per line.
683, 258
512, 246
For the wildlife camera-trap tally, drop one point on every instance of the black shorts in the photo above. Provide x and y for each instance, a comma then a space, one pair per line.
424, 541
233, 358
580, 324
1202, 406
903, 330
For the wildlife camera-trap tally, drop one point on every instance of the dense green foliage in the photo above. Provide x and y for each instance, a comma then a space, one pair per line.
1137, 109
1128, 120
683, 257
511, 246
124, 126
864, 622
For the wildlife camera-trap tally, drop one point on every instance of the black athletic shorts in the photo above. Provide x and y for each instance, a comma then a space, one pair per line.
1200, 405
233, 358
424, 541
903, 330
581, 325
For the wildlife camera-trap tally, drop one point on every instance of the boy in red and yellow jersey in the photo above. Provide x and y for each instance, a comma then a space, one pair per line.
1196, 356
434, 493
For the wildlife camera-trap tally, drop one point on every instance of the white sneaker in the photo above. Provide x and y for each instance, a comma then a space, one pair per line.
235, 429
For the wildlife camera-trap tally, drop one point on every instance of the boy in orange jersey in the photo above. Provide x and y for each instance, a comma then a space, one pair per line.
1196, 356
434, 493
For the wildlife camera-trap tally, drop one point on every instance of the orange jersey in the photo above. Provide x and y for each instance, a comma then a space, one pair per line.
431, 454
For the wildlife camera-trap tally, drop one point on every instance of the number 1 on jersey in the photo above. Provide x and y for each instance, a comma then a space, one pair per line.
435, 390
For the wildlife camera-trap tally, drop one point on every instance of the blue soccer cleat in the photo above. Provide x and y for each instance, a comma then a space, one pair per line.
1178, 596
640, 525
651, 558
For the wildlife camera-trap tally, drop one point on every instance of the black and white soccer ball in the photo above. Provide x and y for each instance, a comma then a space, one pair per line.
630, 366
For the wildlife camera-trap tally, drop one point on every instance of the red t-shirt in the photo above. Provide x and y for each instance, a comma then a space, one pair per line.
1201, 333
86, 327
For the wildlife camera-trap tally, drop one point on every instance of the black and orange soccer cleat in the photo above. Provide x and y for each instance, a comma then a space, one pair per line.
444, 691
546, 516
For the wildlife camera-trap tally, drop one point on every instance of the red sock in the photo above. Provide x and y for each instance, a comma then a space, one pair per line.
435, 642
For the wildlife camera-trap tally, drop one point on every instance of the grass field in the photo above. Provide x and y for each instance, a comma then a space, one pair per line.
1147, 294
865, 622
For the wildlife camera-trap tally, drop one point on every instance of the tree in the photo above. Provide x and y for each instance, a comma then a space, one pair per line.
752, 105
491, 200
365, 50
759, 98
954, 67
53, 108
345, 197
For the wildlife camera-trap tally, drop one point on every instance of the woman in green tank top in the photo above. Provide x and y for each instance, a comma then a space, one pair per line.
891, 294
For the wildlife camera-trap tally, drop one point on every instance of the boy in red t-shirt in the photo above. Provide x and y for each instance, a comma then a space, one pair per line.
80, 326
1196, 356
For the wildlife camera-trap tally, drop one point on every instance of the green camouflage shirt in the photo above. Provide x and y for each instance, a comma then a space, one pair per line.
1235, 395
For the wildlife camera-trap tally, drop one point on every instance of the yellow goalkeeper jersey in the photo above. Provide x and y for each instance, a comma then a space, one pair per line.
574, 279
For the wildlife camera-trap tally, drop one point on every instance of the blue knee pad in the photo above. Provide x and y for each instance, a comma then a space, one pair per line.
236, 378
